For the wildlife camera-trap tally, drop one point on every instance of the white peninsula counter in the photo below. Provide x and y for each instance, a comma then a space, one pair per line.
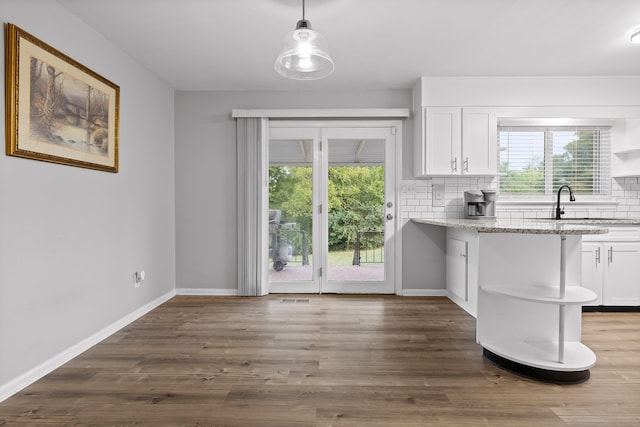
522, 281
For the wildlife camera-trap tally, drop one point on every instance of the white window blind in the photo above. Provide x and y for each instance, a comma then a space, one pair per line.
537, 160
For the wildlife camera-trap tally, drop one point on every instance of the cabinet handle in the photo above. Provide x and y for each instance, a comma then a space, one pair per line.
454, 165
610, 254
598, 256
463, 255
466, 164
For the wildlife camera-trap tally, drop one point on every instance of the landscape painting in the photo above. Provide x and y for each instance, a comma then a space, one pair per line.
58, 110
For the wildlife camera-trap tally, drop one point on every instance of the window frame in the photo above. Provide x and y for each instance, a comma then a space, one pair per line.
561, 124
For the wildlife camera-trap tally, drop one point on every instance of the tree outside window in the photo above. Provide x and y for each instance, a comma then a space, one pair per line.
537, 161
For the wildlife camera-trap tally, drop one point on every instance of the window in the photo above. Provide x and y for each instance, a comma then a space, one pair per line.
537, 160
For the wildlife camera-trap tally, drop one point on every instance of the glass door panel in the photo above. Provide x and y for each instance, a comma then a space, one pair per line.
360, 212
291, 216
331, 208
356, 210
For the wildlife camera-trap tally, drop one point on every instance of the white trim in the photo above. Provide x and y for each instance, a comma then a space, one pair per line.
398, 209
424, 293
281, 287
531, 91
323, 113
553, 122
323, 123
207, 292
14, 386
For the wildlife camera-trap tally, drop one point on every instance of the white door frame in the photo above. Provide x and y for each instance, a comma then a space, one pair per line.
393, 196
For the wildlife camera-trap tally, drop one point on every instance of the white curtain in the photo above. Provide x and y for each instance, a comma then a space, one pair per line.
252, 139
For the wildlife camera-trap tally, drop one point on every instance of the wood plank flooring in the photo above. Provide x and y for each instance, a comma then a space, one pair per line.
323, 361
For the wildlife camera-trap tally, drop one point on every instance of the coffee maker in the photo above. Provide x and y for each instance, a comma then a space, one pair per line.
480, 204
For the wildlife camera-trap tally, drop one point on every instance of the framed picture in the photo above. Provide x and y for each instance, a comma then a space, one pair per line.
57, 110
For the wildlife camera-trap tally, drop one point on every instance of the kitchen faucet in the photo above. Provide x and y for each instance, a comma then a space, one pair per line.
560, 212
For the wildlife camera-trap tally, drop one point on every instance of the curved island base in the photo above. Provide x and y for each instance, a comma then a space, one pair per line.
546, 375
524, 288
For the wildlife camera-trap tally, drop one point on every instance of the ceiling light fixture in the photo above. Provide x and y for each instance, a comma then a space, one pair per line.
305, 54
635, 37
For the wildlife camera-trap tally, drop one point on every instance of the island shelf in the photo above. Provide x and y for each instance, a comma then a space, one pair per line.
525, 293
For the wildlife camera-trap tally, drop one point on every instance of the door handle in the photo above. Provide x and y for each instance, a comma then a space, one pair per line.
389, 217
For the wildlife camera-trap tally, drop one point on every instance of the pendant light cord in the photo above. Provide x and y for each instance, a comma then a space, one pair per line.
303, 10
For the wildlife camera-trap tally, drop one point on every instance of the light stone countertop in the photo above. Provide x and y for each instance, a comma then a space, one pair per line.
529, 226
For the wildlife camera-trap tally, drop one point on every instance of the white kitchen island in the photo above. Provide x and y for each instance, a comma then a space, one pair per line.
522, 281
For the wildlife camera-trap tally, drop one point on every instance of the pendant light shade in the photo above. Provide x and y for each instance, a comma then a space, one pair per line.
305, 54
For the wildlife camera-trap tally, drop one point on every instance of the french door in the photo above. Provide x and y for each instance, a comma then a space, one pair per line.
332, 207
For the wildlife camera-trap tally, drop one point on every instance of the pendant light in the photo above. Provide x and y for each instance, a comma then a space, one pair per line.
305, 54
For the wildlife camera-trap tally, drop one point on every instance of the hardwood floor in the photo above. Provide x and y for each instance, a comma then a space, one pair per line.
323, 361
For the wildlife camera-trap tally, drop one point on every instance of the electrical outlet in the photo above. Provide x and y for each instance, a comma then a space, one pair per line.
438, 195
409, 188
138, 278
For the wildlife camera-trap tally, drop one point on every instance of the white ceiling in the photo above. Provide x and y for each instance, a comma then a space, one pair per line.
375, 44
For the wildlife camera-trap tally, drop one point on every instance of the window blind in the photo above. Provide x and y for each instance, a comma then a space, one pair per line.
537, 160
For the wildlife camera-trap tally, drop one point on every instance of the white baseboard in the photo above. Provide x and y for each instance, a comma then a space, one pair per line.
12, 387
424, 292
207, 292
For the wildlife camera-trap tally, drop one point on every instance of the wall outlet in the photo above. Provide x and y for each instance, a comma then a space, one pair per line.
437, 195
138, 278
409, 188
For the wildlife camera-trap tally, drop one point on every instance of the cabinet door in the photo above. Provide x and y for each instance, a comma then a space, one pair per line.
479, 141
621, 284
592, 269
442, 141
457, 269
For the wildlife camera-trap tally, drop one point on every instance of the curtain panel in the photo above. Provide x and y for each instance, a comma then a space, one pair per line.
252, 139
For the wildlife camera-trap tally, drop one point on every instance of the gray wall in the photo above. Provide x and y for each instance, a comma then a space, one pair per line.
206, 172
71, 238
424, 259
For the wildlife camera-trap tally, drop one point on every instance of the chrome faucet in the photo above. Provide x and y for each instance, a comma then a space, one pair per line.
560, 212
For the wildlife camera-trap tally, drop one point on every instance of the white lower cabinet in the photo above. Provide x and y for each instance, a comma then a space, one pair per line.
592, 268
457, 269
611, 268
462, 271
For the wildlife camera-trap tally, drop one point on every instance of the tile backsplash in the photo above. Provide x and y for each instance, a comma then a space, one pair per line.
416, 200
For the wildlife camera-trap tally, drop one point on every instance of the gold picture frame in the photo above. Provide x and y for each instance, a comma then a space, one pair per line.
58, 110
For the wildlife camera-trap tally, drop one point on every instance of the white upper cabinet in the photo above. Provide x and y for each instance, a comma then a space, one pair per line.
479, 141
440, 148
456, 141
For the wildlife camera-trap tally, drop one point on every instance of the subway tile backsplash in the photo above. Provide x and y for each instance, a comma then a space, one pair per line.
416, 200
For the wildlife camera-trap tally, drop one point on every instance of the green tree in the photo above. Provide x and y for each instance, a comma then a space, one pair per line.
575, 166
356, 202
529, 180
355, 194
